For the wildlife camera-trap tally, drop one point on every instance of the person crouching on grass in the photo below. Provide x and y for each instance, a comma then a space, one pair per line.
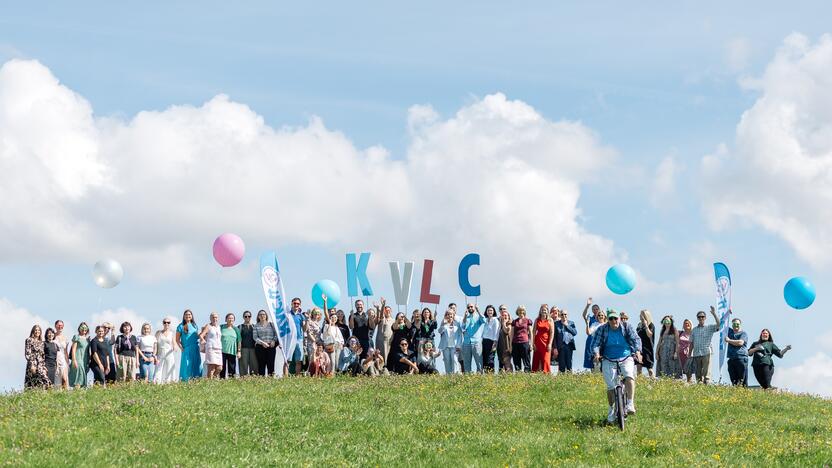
319, 363
426, 362
403, 363
373, 364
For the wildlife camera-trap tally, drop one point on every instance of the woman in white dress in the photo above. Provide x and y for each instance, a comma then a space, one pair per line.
165, 348
63, 354
212, 337
331, 336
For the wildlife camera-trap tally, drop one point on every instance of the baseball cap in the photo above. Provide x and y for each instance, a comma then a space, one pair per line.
612, 313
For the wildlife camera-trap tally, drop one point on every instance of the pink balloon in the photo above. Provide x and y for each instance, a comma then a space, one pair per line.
229, 249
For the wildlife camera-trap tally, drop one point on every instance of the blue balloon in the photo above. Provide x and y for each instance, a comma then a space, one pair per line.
328, 287
799, 293
621, 279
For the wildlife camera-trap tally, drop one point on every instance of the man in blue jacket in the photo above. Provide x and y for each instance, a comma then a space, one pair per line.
617, 343
565, 332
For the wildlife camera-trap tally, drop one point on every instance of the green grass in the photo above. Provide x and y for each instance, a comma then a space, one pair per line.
518, 420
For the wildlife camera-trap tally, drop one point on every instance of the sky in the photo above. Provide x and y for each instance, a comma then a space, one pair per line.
553, 140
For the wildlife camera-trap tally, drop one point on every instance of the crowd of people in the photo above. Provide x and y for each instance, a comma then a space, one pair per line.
375, 342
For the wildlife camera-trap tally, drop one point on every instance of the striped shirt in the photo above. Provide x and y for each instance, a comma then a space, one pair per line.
265, 333
701, 337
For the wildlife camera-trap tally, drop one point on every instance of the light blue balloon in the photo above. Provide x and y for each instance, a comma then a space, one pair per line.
621, 279
799, 293
328, 287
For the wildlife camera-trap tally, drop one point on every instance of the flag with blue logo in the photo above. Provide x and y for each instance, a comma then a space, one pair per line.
286, 327
723, 308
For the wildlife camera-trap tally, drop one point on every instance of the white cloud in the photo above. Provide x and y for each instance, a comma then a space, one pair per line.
778, 175
813, 375
664, 182
17, 323
497, 178
8, 51
824, 340
737, 54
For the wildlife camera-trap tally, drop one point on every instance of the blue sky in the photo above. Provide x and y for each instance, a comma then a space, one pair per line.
653, 83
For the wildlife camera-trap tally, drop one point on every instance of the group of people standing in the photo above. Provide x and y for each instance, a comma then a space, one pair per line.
686, 353
375, 342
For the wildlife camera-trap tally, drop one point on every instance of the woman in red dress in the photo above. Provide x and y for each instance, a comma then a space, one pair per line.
544, 329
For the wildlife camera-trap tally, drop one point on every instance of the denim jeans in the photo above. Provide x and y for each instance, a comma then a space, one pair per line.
147, 369
472, 351
449, 358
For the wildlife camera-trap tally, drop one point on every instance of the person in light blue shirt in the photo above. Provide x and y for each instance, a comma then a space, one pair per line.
565, 332
472, 329
450, 341
295, 364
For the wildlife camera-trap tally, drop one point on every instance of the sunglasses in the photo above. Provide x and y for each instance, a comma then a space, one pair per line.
246, 316
613, 318
166, 322
700, 317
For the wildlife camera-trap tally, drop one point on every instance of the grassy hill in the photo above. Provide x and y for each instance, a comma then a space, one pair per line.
518, 420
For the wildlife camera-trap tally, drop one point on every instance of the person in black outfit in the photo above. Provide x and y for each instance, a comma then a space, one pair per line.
403, 364
647, 332
342, 325
762, 363
359, 323
401, 330
50, 357
100, 363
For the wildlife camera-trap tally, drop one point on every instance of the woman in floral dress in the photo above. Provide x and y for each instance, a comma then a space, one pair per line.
36, 375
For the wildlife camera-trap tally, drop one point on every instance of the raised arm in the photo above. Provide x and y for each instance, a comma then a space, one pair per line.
585, 313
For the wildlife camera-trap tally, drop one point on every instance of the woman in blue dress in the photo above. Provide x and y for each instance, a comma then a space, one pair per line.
187, 337
592, 324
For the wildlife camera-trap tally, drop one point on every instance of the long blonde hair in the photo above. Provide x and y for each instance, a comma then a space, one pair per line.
543, 308
647, 315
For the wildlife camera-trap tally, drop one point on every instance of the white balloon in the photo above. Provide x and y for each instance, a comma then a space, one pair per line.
107, 273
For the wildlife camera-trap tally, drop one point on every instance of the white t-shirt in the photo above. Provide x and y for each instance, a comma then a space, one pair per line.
146, 343
491, 329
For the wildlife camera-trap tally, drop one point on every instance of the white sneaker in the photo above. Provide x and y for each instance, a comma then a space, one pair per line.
631, 407
611, 415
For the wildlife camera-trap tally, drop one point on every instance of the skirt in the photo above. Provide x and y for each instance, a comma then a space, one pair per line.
213, 356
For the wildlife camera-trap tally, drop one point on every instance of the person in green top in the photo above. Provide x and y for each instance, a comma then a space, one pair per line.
230, 339
80, 357
762, 350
